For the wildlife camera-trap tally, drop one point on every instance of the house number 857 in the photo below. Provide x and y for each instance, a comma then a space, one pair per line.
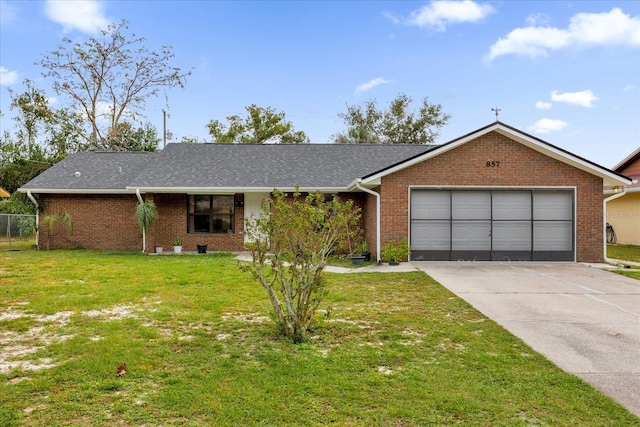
493, 163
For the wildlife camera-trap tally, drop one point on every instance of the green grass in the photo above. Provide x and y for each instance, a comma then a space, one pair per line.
624, 252
194, 331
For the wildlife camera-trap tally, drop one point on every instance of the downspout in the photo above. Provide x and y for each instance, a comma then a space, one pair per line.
604, 221
35, 203
377, 196
144, 235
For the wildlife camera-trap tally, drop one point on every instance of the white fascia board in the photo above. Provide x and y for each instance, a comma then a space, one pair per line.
233, 190
609, 177
76, 191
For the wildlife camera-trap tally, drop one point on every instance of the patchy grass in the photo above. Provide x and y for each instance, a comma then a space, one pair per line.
624, 252
200, 349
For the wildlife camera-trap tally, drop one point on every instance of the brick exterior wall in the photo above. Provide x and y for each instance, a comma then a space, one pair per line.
520, 166
107, 222
103, 222
173, 222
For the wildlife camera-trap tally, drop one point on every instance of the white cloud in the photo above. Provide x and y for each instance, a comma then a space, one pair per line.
540, 105
538, 19
629, 87
438, 14
583, 98
548, 125
86, 16
7, 77
584, 30
370, 85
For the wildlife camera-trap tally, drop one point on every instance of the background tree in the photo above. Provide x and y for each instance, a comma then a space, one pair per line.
261, 125
127, 138
43, 136
289, 244
396, 124
108, 79
359, 135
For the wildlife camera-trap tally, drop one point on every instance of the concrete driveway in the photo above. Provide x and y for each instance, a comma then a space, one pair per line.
583, 319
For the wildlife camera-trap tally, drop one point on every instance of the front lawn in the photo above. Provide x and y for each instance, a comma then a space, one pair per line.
199, 348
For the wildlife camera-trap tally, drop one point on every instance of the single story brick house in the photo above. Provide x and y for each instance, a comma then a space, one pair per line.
623, 207
496, 193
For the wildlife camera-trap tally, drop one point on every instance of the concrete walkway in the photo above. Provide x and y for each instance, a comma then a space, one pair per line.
583, 319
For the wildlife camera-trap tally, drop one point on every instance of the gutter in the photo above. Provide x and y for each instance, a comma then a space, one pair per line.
377, 196
35, 203
144, 234
604, 221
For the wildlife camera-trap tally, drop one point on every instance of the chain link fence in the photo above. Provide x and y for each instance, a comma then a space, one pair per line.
17, 227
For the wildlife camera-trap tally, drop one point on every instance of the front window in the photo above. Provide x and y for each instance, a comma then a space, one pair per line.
211, 214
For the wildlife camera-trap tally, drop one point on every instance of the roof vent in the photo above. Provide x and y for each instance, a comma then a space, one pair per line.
77, 174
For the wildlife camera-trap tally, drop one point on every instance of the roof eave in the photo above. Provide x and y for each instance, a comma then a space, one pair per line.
233, 190
76, 190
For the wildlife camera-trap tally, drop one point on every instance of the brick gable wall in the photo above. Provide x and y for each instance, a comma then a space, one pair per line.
520, 166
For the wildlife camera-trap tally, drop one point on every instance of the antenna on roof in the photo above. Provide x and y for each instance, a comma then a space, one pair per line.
496, 111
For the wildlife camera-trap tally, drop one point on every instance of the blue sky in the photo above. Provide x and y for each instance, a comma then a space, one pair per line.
567, 72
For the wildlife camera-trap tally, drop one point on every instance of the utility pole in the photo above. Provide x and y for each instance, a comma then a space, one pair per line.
164, 129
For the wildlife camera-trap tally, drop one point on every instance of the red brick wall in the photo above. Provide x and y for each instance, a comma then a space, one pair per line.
103, 222
519, 167
173, 222
107, 222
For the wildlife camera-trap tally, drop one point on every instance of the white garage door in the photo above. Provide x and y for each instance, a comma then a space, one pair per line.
492, 225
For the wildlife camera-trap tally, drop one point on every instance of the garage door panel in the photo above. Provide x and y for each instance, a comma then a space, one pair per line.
470, 205
471, 235
552, 236
511, 235
511, 205
430, 235
552, 206
431, 205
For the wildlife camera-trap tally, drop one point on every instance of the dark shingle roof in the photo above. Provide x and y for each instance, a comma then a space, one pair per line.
269, 165
183, 166
97, 171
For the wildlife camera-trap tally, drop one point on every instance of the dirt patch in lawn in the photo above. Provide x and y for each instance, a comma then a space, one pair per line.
18, 347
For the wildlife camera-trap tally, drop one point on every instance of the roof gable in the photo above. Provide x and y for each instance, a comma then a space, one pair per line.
632, 162
610, 178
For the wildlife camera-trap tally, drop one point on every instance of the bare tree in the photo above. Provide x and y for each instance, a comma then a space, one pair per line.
108, 79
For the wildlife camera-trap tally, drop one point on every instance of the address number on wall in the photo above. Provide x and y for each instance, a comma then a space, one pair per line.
493, 163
